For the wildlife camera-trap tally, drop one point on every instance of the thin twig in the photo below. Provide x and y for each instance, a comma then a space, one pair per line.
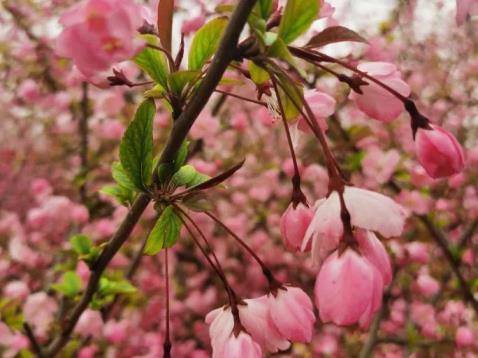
261, 103
33, 341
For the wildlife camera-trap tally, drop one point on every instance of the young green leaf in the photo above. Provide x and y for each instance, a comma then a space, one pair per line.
181, 156
334, 34
165, 232
205, 43
180, 79
121, 177
153, 62
110, 287
122, 194
188, 176
81, 244
297, 18
287, 90
264, 8
136, 148
258, 74
70, 284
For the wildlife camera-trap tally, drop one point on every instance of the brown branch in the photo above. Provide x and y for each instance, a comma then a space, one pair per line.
83, 131
224, 55
33, 341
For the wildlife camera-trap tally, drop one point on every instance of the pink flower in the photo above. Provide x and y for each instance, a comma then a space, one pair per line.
417, 252
254, 317
241, 346
99, 33
383, 215
294, 224
292, 313
376, 101
373, 250
427, 285
439, 152
16, 290
348, 289
39, 310
221, 324
89, 324
322, 105
464, 337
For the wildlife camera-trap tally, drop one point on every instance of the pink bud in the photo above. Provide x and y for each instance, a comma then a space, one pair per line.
294, 224
464, 337
292, 313
439, 152
241, 346
417, 252
348, 289
376, 101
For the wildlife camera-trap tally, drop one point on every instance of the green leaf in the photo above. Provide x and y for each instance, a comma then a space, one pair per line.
121, 177
70, 284
153, 62
258, 74
180, 79
296, 92
110, 287
334, 34
264, 8
297, 18
165, 232
155, 92
279, 49
205, 42
188, 176
122, 194
181, 156
197, 201
81, 244
136, 148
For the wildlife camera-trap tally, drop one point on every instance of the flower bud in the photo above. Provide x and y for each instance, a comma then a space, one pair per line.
439, 152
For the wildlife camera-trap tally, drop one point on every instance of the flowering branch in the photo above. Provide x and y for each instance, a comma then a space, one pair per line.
224, 55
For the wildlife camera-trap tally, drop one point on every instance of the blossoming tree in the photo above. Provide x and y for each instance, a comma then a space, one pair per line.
233, 187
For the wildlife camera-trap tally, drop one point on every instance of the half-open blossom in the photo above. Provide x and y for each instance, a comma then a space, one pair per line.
348, 289
99, 33
294, 224
292, 313
322, 105
376, 101
439, 152
240, 347
368, 210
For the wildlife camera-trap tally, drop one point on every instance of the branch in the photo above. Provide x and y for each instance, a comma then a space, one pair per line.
33, 341
83, 130
442, 241
224, 55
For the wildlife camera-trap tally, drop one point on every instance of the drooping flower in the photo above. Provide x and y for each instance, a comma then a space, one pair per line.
99, 33
373, 250
294, 224
376, 101
348, 289
439, 152
241, 346
292, 314
254, 317
368, 210
221, 324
